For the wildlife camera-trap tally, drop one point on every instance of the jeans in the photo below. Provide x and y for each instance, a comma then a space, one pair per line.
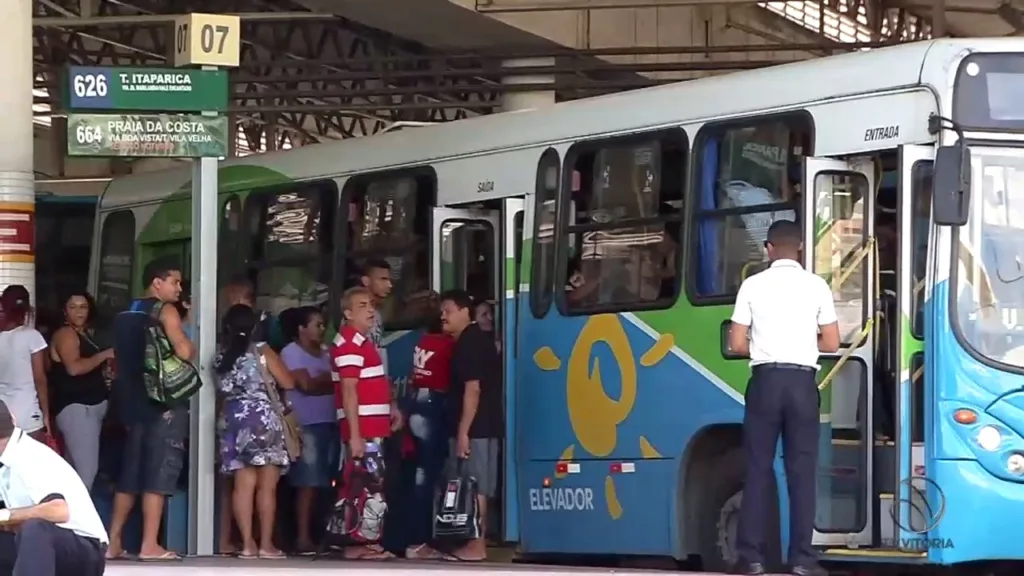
427, 424
318, 464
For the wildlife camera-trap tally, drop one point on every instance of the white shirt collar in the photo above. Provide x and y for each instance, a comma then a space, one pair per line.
786, 263
7, 457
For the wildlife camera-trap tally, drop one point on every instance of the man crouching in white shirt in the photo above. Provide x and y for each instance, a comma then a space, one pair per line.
49, 526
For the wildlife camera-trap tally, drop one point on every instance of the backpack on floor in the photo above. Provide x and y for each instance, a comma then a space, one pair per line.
358, 514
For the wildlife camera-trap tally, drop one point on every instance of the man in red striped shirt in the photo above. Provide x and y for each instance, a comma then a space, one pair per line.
366, 412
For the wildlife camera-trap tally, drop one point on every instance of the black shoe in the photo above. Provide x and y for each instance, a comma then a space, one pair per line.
808, 570
750, 568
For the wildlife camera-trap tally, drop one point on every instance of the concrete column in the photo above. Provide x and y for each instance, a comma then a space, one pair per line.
513, 101
17, 179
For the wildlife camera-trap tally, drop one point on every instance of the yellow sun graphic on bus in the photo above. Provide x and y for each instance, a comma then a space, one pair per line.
594, 415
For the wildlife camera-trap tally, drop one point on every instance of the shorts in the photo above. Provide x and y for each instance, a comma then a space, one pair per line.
482, 464
154, 454
321, 451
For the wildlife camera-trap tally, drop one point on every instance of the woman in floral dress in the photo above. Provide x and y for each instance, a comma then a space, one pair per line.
252, 441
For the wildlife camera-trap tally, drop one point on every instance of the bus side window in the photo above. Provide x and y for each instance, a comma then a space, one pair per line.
748, 176
543, 263
388, 218
117, 259
921, 213
628, 196
290, 243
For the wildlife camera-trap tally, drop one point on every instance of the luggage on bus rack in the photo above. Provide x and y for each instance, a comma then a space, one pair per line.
456, 514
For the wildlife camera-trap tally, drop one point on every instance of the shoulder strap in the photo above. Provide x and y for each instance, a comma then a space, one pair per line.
256, 351
269, 383
155, 310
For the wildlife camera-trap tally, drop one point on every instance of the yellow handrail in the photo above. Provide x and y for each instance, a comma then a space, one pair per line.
870, 247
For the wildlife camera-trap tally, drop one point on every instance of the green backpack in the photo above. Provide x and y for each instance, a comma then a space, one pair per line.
169, 379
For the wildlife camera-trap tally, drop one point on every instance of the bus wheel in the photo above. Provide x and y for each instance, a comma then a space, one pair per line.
720, 514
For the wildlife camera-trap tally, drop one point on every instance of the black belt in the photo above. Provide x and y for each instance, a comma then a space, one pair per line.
784, 366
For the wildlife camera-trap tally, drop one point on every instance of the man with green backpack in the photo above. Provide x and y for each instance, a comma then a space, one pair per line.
154, 381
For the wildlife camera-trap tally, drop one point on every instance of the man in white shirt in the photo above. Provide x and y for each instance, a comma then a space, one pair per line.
783, 320
49, 526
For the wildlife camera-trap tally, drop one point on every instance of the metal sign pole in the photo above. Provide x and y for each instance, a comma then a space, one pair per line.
209, 41
203, 439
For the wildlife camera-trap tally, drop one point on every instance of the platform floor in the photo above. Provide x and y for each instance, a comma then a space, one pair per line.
303, 566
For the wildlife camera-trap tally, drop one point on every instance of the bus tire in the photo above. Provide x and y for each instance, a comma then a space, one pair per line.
719, 516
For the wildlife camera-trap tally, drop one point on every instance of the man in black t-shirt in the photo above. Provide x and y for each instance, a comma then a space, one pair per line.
475, 406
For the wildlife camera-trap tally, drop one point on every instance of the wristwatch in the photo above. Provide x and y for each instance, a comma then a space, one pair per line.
5, 516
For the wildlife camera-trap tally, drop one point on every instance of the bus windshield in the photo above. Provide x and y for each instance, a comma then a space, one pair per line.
990, 273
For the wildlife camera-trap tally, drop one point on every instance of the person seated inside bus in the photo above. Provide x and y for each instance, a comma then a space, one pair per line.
638, 273
582, 282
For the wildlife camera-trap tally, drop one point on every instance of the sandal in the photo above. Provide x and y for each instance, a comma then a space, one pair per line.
371, 552
423, 552
455, 558
168, 556
122, 557
278, 555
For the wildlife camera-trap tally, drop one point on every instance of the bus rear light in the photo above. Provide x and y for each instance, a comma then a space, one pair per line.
965, 416
622, 468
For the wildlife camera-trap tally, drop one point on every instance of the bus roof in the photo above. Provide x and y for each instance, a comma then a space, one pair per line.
672, 104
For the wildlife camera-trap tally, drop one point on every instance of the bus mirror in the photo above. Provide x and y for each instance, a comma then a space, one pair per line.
951, 198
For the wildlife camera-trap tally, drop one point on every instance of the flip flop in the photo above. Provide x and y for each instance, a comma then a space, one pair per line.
372, 554
242, 555
279, 555
379, 556
167, 556
454, 558
122, 557
423, 552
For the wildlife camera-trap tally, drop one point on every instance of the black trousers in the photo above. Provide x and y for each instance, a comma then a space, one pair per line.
781, 399
41, 548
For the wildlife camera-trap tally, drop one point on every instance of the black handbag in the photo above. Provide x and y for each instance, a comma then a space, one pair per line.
456, 513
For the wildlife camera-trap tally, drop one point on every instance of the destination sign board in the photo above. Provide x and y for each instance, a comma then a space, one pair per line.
148, 135
156, 89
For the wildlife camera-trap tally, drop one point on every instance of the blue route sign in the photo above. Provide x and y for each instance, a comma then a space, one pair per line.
144, 89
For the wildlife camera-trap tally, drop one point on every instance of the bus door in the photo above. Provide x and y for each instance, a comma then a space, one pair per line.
506, 320
468, 255
915, 195
839, 246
